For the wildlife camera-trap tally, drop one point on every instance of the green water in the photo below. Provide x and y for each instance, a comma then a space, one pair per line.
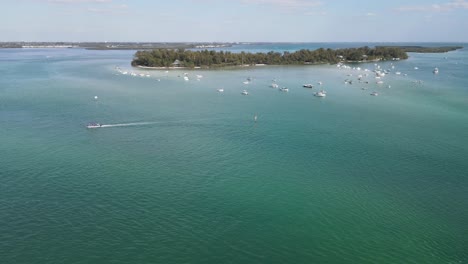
350, 178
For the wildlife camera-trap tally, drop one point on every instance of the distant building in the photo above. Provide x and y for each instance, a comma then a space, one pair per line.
176, 63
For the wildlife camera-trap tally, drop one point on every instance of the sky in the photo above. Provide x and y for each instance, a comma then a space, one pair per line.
234, 20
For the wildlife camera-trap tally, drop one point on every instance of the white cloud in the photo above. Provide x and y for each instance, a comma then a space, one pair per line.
443, 7
286, 3
114, 9
316, 13
79, 1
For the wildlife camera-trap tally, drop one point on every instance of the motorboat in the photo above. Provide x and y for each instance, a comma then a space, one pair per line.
436, 70
186, 78
319, 83
284, 89
93, 125
308, 85
246, 82
374, 93
274, 85
244, 92
321, 94
220, 90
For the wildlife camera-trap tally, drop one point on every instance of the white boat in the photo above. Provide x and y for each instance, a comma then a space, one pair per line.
320, 83
284, 89
220, 90
245, 82
93, 125
186, 78
374, 93
321, 94
380, 82
308, 85
436, 70
274, 85
199, 76
416, 68
244, 92
397, 73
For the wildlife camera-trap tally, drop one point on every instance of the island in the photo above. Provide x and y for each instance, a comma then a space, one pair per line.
160, 58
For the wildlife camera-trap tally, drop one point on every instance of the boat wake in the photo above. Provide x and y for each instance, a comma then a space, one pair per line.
129, 124
150, 123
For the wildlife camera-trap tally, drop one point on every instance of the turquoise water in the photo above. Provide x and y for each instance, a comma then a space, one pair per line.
350, 178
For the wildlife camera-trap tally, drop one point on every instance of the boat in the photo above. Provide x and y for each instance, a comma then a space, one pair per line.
245, 82
220, 90
320, 83
436, 70
308, 85
374, 93
93, 125
397, 73
244, 92
321, 93
186, 78
284, 89
416, 68
274, 85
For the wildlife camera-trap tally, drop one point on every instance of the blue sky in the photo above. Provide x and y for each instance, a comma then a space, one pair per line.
235, 20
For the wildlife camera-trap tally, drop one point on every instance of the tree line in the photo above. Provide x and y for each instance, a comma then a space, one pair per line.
211, 58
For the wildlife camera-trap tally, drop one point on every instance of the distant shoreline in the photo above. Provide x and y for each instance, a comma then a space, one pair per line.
204, 45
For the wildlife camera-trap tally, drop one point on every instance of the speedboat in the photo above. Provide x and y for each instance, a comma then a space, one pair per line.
436, 70
320, 83
274, 85
244, 92
308, 85
320, 94
186, 78
93, 125
220, 90
284, 89
374, 93
245, 82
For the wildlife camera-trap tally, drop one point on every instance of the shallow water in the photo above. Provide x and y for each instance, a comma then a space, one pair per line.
182, 174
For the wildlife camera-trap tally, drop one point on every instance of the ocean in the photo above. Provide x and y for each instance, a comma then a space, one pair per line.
181, 173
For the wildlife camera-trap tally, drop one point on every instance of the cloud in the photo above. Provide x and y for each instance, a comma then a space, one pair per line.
79, 1
115, 9
315, 13
444, 7
292, 4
